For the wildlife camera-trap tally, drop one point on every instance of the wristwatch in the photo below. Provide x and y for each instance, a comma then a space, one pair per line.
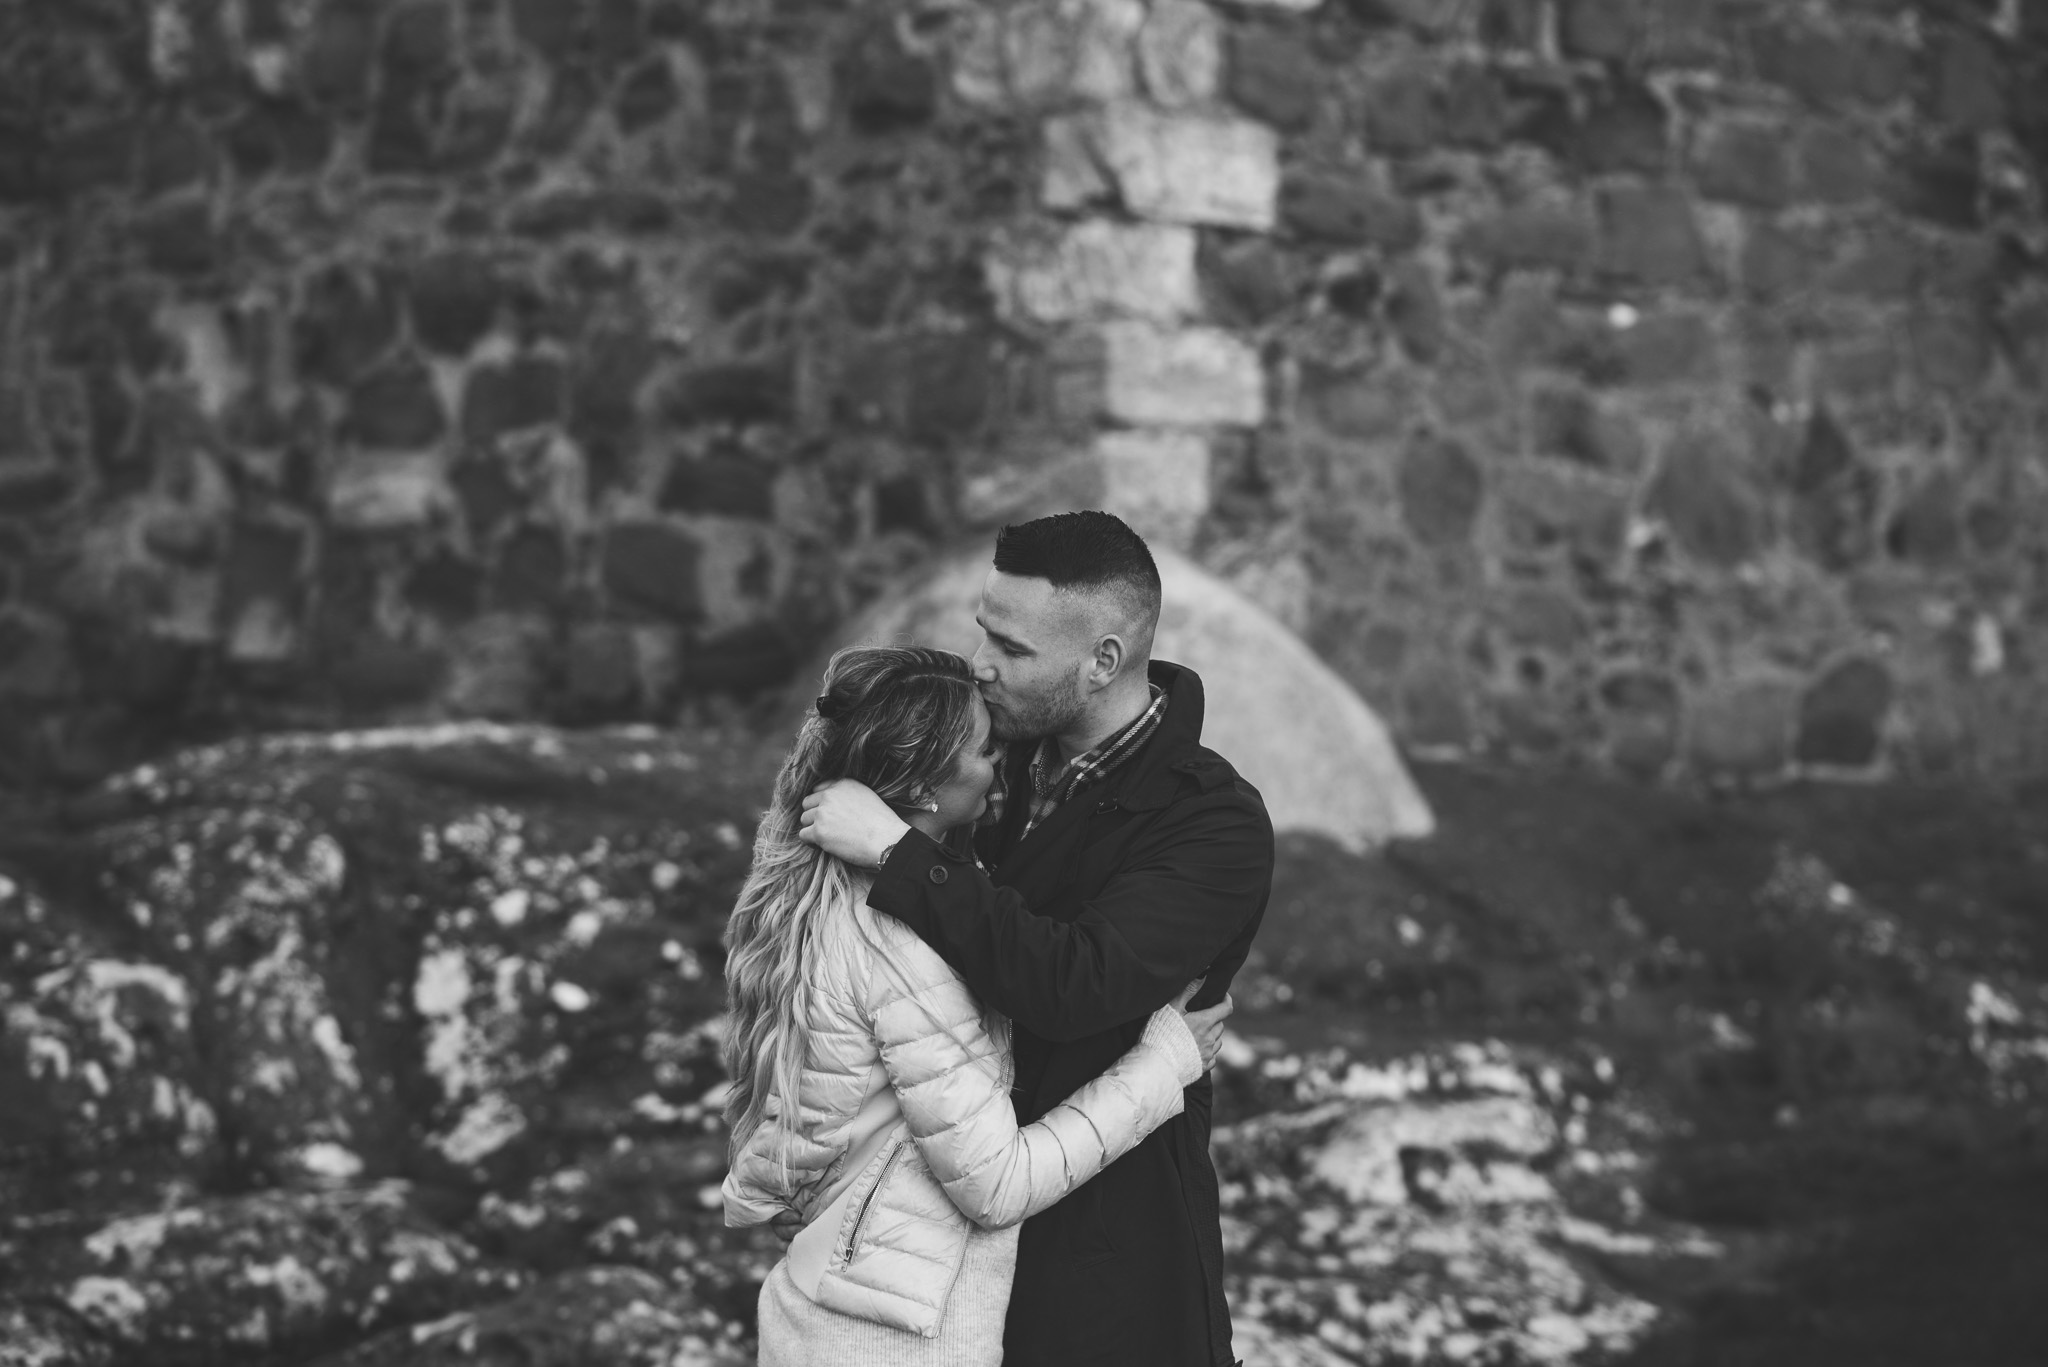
887, 850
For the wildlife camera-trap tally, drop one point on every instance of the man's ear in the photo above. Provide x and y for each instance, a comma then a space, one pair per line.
1107, 661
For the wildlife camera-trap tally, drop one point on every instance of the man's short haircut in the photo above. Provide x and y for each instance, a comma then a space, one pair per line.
1089, 551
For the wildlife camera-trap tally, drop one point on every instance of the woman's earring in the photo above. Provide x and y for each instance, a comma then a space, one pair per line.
930, 804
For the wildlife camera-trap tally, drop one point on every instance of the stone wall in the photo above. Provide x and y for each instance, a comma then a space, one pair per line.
1651, 381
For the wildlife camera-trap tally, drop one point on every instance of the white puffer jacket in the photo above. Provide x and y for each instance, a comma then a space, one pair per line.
880, 996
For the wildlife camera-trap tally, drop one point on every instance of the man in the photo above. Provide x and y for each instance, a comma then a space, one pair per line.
1127, 862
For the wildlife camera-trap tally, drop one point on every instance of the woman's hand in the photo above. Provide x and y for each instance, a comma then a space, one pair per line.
1207, 1024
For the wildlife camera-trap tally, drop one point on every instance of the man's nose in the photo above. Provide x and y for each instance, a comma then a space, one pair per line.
983, 666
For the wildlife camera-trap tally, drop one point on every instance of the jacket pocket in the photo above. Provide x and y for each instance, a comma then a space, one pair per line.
867, 1204
902, 1248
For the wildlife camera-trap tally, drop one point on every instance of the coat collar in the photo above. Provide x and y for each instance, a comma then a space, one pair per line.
1156, 773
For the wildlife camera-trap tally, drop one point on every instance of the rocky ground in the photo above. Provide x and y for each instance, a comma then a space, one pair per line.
399, 1048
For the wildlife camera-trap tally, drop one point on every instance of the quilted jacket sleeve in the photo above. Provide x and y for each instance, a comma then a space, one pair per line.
951, 1078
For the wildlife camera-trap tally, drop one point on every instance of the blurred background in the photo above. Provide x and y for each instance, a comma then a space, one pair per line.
440, 438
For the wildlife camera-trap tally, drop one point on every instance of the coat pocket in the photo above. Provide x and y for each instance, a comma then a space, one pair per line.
902, 1247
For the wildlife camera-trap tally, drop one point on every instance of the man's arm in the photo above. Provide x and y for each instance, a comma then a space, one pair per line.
1179, 902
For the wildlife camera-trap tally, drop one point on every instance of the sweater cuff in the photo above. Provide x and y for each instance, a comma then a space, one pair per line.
1168, 1032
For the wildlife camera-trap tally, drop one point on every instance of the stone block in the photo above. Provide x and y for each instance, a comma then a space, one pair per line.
604, 668
1157, 481
1535, 617
1275, 76
395, 407
1604, 30
178, 236
1473, 108
1180, 53
263, 563
743, 659
946, 382
1549, 231
1741, 730
1355, 293
36, 662
1700, 494
1097, 269
730, 391
978, 68
1648, 234
1775, 263
549, 27
1834, 166
1346, 207
1670, 348
1744, 162
1441, 488
374, 674
1834, 498
1400, 107
521, 393
1951, 348
334, 64
652, 567
768, 203
531, 572
1155, 377
487, 492
1415, 312
1072, 177
499, 666
386, 491
346, 320
1862, 366
1514, 24
1364, 403
885, 89
1185, 168
1643, 714
1544, 508
453, 298
1077, 50
1882, 263
1568, 425
1244, 283
1928, 527
1842, 715
728, 485
445, 586
646, 95
1830, 69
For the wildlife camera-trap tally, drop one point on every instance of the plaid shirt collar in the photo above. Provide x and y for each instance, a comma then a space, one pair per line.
1051, 787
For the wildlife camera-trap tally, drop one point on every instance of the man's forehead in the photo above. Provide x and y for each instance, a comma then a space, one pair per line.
1027, 608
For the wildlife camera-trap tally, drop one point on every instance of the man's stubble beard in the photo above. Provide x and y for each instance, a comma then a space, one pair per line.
1033, 718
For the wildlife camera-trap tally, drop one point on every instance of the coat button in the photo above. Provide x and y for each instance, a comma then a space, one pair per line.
939, 873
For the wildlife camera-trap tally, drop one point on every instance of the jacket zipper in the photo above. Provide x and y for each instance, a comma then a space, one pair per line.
853, 1238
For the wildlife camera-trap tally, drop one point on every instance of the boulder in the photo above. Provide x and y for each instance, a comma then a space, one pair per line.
241, 1278
1323, 760
615, 1316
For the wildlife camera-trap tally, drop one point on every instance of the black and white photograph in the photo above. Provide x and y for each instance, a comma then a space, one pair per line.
1023, 683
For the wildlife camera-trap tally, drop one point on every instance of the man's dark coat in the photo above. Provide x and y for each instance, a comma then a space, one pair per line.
1119, 899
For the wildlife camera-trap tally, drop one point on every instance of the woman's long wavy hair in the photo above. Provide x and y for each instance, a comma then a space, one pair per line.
898, 717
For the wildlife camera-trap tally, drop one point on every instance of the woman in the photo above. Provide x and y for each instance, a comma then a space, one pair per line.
870, 1092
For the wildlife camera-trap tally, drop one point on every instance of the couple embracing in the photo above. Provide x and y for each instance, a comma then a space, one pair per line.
977, 976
